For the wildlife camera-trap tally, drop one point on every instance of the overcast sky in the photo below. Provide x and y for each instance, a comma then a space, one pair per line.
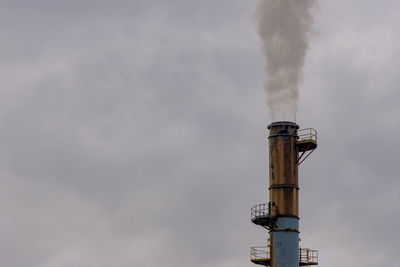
133, 133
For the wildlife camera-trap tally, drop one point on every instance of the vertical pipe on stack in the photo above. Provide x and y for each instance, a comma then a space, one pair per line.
283, 193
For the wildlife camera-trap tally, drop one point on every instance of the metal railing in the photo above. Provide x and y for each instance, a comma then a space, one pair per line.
308, 134
308, 256
263, 210
259, 253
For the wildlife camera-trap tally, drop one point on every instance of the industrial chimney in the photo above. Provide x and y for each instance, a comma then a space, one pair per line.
288, 148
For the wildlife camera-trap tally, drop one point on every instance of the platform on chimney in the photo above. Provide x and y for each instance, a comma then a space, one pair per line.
307, 139
261, 256
264, 214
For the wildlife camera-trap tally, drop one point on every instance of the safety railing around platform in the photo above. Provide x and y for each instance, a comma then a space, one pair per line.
263, 210
307, 257
307, 134
259, 253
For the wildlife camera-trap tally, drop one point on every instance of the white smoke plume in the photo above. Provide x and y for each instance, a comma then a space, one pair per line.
284, 27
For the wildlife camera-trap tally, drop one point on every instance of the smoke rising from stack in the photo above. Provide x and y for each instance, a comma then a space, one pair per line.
284, 27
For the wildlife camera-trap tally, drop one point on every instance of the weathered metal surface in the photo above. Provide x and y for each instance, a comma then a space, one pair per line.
284, 193
287, 224
281, 215
283, 169
286, 201
285, 242
285, 251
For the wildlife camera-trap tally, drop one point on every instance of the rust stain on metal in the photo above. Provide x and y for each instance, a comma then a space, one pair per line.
283, 169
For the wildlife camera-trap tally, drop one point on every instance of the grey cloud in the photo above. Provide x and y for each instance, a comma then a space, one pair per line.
137, 131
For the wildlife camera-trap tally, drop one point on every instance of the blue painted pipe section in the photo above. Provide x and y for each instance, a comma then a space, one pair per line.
287, 222
285, 242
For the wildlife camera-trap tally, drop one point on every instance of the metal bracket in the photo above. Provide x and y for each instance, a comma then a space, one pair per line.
300, 160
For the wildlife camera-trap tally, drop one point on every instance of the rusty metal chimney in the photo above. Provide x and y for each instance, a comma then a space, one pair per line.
287, 150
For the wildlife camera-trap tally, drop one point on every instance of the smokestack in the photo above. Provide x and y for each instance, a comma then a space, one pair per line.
284, 26
288, 147
284, 193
